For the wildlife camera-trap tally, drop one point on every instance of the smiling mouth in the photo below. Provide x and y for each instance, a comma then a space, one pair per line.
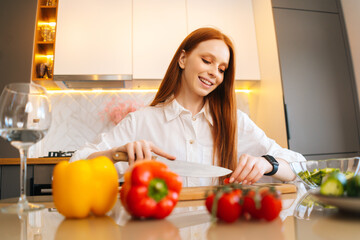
206, 82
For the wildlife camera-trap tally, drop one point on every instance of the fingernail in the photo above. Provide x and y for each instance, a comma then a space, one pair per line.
231, 180
244, 182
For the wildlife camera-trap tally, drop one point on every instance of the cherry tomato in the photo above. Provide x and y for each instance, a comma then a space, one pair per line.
228, 205
262, 204
252, 204
270, 204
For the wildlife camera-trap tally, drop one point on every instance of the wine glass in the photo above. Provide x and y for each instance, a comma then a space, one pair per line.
25, 117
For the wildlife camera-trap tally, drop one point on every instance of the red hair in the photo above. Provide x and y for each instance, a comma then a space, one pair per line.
222, 101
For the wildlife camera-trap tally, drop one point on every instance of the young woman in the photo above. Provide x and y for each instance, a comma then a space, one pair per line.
193, 117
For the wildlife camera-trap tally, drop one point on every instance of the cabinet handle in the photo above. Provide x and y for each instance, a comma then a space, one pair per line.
287, 122
46, 190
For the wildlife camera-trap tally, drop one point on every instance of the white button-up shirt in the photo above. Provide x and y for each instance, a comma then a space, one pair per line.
173, 128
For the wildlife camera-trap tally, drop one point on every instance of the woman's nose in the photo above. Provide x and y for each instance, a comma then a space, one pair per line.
213, 71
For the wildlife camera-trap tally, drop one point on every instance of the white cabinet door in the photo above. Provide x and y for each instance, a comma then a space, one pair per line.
159, 26
235, 18
93, 37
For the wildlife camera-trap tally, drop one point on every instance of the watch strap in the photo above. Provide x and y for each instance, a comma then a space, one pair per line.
273, 162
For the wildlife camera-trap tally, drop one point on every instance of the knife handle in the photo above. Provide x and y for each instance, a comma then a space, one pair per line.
123, 157
120, 157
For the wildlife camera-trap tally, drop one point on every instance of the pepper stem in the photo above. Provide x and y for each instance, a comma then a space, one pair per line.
157, 189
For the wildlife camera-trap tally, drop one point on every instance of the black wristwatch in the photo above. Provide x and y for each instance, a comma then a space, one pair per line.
273, 162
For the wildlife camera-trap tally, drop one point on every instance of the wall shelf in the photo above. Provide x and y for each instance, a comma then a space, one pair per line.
44, 44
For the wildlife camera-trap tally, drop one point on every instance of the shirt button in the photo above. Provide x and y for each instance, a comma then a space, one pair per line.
194, 118
192, 141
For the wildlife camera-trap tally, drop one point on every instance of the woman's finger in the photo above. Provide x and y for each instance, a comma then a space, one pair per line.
257, 177
254, 175
146, 149
247, 169
161, 153
238, 169
130, 152
139, 151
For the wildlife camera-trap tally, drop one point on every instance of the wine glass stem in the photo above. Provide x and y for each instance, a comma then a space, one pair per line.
23, 166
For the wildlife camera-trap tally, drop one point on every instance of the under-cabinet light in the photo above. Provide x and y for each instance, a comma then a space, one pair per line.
51, 24
122, 91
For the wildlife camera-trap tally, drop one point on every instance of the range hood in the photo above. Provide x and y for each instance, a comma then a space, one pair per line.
94, 81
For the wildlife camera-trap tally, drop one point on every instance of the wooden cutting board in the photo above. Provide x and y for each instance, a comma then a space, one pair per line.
198, 193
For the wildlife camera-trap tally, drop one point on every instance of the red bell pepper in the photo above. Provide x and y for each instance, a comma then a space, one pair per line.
150, 190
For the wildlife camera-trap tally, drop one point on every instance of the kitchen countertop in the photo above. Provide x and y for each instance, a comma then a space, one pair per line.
189, 220
41, 160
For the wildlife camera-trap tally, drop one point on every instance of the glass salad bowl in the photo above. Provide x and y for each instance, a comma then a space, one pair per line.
312, 172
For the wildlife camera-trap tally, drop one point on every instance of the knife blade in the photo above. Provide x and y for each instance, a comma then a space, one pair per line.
183, 168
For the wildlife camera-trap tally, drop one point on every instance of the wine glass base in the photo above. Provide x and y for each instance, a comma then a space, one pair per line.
21, 207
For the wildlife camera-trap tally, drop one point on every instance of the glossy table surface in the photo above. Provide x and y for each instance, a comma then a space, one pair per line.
300, 219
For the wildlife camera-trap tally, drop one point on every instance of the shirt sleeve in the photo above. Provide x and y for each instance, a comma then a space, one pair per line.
121, 134
252, 140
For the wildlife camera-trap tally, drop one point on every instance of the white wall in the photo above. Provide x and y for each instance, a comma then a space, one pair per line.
80, 117
266, 102
351, 9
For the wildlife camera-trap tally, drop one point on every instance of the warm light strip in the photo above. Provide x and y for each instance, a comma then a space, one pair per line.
242, 90
51, 24
122, 91
45, 56
103, 91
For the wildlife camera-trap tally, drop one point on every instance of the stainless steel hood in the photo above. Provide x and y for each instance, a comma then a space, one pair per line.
92, 81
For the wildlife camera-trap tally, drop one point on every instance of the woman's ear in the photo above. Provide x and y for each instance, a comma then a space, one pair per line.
182, 59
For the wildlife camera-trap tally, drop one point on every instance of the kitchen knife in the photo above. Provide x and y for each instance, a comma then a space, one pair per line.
183, 168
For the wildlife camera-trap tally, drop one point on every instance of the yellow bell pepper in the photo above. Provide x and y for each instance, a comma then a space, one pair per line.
85, 186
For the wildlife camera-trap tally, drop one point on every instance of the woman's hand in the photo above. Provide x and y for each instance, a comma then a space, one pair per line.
250, 169
140, 150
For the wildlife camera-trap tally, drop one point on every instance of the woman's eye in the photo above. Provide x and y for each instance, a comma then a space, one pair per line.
205, 61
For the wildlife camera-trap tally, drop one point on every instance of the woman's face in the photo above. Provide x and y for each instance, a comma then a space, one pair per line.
204, 67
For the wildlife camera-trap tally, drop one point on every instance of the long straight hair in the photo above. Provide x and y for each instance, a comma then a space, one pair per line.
222, 101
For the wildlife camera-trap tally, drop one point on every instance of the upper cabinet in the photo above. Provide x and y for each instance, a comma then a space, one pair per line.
235, 19
140, 37
44, 42
159, 26
94, 37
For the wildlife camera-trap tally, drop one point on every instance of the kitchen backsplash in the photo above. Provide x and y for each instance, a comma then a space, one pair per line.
79, 117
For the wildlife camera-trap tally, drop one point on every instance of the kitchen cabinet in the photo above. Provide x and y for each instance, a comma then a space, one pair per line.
17, 18
94, 37
10, 181
139, 37
234, 18
44, 43
318, 83
39, 179
159, 27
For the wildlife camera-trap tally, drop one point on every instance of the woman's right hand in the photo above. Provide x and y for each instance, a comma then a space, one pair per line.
141, 150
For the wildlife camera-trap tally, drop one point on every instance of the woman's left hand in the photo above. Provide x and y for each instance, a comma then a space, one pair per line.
250, 169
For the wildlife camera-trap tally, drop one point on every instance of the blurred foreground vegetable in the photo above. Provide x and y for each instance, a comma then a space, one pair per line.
85, 186
230, 202
337, 184
316, 176
150, 190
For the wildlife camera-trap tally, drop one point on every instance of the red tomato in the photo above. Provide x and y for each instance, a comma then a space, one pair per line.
209, 202
264, 204
228, 206
270, 204
226, 180
252, 204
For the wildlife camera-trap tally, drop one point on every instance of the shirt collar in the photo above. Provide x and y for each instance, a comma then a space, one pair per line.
173, 109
